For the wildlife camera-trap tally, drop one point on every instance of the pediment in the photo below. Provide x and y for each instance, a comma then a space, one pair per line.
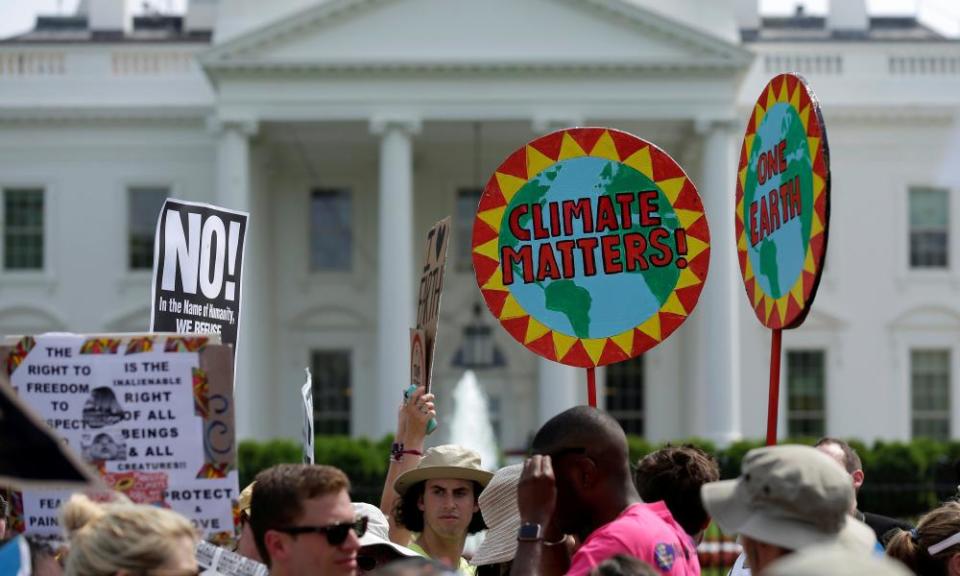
24, 320
928, 318
135, 321
526, 34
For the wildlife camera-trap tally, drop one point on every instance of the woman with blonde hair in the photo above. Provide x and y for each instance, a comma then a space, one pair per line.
127, 539
933, 547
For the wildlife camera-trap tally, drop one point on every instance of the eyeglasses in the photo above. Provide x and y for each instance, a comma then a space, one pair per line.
336, 533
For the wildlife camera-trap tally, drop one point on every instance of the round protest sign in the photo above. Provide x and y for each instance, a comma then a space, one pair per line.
590, 246
783, 202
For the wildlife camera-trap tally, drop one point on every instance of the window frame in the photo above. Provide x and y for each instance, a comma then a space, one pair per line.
825, 357
642, 414
127, 204
350, 354
949, 247
44, 274
951, 394
921, 334
352, 269
909, 275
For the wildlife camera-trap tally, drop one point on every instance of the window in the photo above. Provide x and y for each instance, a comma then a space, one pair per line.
467, 201
806, 398
23, 229
331, 391
331, 231
929, 225
930, 393
144, 204
624, 394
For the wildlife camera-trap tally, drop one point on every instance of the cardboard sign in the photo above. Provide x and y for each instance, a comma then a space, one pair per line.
306, 392
418, 358
153, 414
783, 202
590, 246
217, 560
197, 265
431, 288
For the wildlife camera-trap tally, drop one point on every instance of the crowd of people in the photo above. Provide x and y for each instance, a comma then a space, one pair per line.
576, 506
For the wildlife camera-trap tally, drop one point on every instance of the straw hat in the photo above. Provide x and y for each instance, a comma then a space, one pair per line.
442, 462
498, 505
378, 530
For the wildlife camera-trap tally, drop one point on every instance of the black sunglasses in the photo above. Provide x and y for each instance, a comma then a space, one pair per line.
336, 533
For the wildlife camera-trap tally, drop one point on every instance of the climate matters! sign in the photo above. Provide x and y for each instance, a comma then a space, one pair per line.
590, 246
783, 202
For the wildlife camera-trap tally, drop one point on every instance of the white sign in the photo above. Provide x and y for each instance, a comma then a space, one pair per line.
307, 392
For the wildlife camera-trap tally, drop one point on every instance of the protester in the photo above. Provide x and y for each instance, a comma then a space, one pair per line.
246, 544
303, 521
786, 499
591, 495
622, 565
376, 549
129, 539
850, 460
674, 475
835, 560
933, 547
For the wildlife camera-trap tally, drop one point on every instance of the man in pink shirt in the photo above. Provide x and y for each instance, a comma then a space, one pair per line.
578, 482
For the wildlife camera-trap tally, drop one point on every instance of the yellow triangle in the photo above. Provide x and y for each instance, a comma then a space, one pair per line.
491, 249
743, 184
509, 185
687, 278
651, 327
767, 308
783, 97
624, 341
795, 97
534, 330
594, 347
671, 187
758, 113
797, 291
569, 148
673, 305
782, 307
813, 143
816, 227
640, 161
740, 208
495, 282
748, 143
757, 294
562, 343
748, 270
605, 148
742, 243
805, 117
771, 97
537, 161
808, 263
694, 247
493, 217
511, 309
818, 186
688, 217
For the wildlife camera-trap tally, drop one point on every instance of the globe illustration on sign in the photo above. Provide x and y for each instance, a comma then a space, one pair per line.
590, 246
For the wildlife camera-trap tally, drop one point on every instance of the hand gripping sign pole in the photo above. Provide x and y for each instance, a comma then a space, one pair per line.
782, 213
590, 246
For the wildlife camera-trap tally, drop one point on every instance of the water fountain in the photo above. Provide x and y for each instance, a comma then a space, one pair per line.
470, 424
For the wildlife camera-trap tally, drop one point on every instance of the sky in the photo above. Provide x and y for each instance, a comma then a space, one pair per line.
17, 16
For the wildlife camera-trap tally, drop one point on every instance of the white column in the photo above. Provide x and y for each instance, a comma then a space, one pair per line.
715, 402
559, 387
254, 412
395, 267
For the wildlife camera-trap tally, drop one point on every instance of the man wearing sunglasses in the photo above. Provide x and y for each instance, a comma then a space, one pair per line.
303, 521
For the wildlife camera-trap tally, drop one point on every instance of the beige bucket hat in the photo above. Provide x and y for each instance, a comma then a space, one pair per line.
838, 560
498, 505
447, 461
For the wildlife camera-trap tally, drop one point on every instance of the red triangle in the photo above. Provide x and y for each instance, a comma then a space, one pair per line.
484, 268
750, 285
808, 279
544, 346
793, 311
688, 199
492, 197
577, 356
752, 122
816, 243
813, 126
700, 230
668, 323
819, 167
737, 224
663, 165
611, 354
805, 101
821, 207
700, 264
742, 256
778, 84
641, 343
494, 299
688, 297
626, 144
775, 320
515, 164
587, 139
743, 156
482, 233
791, 84
549, 145
517, 327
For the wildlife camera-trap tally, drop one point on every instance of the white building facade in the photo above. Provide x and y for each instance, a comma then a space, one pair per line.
347, 127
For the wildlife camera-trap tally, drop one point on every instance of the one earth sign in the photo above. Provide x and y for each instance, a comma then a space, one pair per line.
783, 202
590, 245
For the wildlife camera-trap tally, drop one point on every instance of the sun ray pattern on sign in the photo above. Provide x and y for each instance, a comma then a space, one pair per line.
526, 164
790, 309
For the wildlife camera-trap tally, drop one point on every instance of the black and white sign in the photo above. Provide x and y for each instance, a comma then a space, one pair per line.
198, 261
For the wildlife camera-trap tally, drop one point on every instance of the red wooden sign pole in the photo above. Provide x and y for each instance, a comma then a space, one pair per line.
774, 403
592, 387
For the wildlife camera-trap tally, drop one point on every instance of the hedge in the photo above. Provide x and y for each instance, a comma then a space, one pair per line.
902, 479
